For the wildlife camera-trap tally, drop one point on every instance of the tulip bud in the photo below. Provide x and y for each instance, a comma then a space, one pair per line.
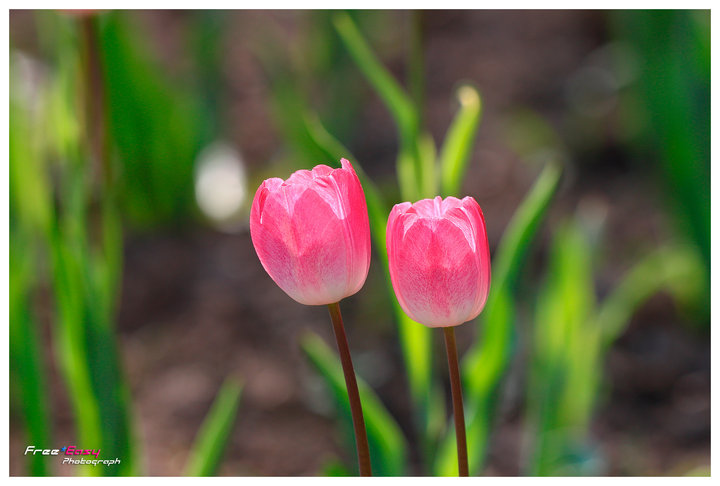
312, 233
439, 260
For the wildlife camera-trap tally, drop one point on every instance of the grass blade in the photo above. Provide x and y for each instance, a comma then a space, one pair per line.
392, 94
401, 107
85, 280
69, 342
459, 141
388, 448
506, 265
485, 363
678, 269
212, 438
26, 357
564, 367
29, 215
673, 89
156, 125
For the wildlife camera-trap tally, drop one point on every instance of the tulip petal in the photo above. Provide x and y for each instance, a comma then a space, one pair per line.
312, 233
439, 260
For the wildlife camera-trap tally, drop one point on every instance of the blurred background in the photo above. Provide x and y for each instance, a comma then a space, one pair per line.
141, 320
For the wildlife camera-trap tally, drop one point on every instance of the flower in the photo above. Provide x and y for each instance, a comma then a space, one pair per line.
439, 260
312, 233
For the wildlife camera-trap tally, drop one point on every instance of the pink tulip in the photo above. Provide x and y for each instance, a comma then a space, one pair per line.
439, 260
312, 234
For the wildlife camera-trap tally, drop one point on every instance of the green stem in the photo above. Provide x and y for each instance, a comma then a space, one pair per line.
361, 440
456, 389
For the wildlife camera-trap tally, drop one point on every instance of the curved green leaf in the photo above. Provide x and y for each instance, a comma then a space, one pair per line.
485, 363
392, 94
564, 367
676, 268
388, 448
215, 431
459, 140
414, 180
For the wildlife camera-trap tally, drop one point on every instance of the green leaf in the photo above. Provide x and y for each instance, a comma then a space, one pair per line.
416, 344
485, 363
676, 268
335, 468
523, 227
459, 140
673, 91
428, 161
506, 265
29, 185
394, 97
415, 339
388, 448
564, 366
70, 345
27, 363
156, 126
212, 438
29, 220
400, 105
406, 171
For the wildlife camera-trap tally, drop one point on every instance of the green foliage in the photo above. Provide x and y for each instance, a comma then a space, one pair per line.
418, 170
334, 469
84, 269
65, 222
27, 363
156, 125
215, 431
388, 448
28, 215
414, 181
415, 339
85, 279
459, 141
312, 139
394, 97
572, 334
677, 269
672, 48
485, 363
565, 353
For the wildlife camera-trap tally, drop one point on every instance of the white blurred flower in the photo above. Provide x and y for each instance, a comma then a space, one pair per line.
221, 184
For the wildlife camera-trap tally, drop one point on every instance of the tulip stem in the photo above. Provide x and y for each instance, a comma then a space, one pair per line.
455, 387
361, 440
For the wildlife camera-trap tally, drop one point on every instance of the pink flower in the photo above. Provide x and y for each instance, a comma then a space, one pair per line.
312, 234
439, 260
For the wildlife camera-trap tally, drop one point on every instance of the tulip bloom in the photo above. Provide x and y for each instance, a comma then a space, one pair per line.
440, 269
439, 260
312, 233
